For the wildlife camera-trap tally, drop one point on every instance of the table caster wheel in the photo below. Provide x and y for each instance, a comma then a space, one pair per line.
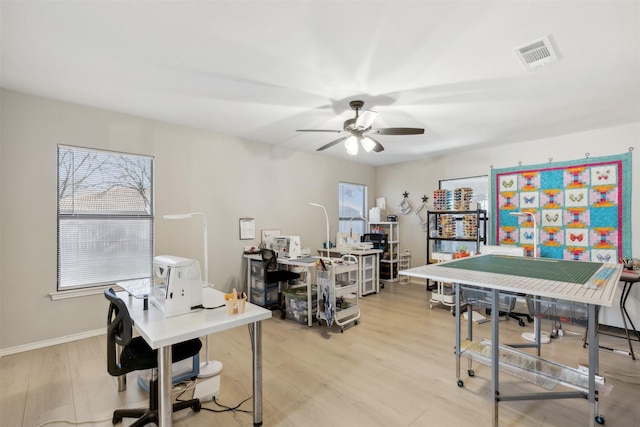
470, 372
460, 383
599, 419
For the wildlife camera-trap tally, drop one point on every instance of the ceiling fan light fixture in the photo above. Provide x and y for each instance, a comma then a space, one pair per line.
351, 144
368, 144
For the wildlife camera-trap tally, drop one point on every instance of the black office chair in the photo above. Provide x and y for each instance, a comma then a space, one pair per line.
273, 275
137, 355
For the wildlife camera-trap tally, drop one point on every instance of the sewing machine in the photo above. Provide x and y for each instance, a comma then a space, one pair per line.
285, 246
177, 286
347, 240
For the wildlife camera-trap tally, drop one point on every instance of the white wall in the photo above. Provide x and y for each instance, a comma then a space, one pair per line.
221, 176
421, 178
195, 170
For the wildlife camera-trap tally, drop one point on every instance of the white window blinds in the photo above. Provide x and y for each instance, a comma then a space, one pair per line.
105, 217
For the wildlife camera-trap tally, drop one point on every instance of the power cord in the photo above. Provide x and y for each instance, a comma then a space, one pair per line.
225, 407
229, 408
75, 422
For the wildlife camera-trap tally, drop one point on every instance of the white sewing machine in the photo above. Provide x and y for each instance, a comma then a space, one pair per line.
347, 240
285, 246
177, 286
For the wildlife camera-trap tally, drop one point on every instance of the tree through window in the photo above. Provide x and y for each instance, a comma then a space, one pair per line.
105, 217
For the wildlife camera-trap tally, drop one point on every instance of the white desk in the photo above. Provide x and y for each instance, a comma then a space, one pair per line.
162, 332
361, 254
501, 279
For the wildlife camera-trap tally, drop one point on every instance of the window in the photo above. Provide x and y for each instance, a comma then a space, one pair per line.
352, 202
105, 217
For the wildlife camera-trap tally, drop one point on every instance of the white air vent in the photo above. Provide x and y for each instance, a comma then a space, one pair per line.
536, 53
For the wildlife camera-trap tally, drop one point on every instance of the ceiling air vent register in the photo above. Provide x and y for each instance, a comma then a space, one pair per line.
535, 54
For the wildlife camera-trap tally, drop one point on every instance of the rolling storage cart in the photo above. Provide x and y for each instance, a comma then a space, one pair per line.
404, 263
338, 292
443, 293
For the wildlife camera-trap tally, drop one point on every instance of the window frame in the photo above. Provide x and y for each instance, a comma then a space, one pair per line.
346, 223
138, 212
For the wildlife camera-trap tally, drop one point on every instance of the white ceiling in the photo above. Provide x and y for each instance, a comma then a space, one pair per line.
259, 70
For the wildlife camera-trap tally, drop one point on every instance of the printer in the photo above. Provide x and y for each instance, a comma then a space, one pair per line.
177, 286
285, 246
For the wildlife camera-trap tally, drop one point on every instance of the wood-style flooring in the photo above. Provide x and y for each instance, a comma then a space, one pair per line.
395, 368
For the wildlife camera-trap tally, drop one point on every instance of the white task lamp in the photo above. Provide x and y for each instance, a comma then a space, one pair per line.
207, 369
327, 218
535, 229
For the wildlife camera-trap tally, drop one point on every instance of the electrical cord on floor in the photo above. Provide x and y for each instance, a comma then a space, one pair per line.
230, 408
75, 422
225, 408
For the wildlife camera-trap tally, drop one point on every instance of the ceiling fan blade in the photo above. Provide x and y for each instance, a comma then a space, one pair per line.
366, 119
378, 147
318, 130
332, 143
398, 131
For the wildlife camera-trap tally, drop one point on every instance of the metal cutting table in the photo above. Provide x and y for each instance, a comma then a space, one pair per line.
588, 283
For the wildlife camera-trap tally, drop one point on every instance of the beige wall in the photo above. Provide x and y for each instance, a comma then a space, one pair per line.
224, 178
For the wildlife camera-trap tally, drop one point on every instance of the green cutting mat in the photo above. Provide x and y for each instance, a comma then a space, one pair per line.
535, 268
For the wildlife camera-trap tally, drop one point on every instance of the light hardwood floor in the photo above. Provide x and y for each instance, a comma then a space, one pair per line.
395, 368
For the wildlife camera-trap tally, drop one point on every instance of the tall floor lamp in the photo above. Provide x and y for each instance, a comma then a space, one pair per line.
207, 368
327, 218
536, 335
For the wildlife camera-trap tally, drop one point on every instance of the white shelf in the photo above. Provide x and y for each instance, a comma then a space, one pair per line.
389, 267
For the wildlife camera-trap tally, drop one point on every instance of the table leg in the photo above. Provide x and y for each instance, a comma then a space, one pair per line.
623, 311
624, 307
257, 372
165, 409
495, 353
592, 313
457, 345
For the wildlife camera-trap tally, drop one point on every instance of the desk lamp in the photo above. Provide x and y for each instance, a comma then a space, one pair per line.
327, 247
207, 369
535, 229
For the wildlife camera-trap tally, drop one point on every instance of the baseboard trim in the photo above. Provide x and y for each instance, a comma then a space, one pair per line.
50, 342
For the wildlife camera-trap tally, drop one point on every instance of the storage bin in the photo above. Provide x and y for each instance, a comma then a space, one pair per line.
297, 304
265, 297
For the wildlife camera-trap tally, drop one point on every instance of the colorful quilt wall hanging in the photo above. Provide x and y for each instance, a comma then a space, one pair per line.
582, 208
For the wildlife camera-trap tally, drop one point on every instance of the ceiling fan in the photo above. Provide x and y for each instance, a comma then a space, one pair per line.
358, 130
